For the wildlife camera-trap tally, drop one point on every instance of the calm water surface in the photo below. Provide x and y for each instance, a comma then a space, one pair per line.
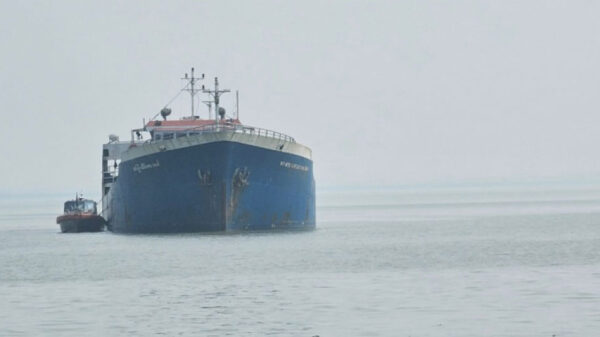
501, 262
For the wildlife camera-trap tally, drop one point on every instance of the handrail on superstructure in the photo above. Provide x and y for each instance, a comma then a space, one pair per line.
236, 128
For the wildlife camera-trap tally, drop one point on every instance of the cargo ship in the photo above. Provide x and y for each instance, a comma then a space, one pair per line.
201, 175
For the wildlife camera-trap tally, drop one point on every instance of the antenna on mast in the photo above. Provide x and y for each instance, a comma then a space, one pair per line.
237, 105
192, 90
216, 94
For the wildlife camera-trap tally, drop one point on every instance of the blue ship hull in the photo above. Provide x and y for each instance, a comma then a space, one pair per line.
218, 186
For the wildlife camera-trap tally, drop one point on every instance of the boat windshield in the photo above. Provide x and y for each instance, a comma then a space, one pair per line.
83, 206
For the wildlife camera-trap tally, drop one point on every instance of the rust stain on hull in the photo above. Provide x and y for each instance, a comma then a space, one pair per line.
239, 182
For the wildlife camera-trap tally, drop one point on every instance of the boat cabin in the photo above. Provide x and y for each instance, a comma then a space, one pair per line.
80, 205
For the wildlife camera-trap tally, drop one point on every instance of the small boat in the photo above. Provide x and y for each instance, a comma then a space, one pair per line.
80, 215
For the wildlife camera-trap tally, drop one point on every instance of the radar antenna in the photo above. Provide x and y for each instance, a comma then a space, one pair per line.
193, 91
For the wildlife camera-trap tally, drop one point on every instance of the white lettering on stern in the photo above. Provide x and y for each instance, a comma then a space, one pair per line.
293, 166
139, 167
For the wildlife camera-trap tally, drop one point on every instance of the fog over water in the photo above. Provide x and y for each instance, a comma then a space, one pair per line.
384, 92
492, 262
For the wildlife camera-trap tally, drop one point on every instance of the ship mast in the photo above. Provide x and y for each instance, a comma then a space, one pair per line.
216, 94
193, 91
237, 105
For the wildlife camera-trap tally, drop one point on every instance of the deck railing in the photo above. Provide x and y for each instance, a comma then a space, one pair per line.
236, 128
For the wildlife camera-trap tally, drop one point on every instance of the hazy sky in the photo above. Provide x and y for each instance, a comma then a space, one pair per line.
384, 92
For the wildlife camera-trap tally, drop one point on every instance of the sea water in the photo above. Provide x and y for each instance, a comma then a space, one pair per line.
480, 261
